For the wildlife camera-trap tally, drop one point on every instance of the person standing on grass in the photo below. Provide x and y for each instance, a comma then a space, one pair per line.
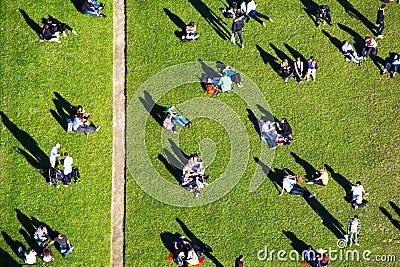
324, 12
239, 261
29, 256
237, 28
298, 69
311, 69
353, 229
64, 245
380, 21
54, 155
41, 235
68, 161
249, 7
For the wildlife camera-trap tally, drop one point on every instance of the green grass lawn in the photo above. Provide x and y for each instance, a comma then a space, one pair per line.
39, 83
347, 120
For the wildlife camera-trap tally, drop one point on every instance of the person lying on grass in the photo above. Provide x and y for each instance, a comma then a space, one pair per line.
178, 119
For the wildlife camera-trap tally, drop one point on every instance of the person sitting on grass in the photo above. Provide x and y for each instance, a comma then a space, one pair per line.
225, 83
284, 132
370, 47
235, 76
79, 125
349, 53
322, 258
62, 244
357, 196
321, 178
49, 35
190, 32
46, 254
168, 124
392, 64
58, 26
80, 110
289, 184
178, 119
29, 256
285, 70
269, 133
91, 7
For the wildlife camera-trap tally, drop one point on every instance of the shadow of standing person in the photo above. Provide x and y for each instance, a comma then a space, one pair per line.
297, 244
39, 159
342, 181
34, 26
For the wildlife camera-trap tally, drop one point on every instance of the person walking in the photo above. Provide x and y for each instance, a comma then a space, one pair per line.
380, 21
237, 28
249, 7
353, 229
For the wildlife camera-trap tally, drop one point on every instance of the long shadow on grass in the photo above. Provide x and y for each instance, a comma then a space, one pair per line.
308, 168
395, 207
275, 176
268, 59
7, 260
34, 26
174, 170
182, 156
295, 54
208, 70
297, 244
189, 234
77, 4
36, 157
174, 161
349, 8
342, 181
253, 120
266, 114
310, 8
327, 219
178, 22
155, 110
167, 238
64, 110
215, 22
335, 41
282, 55
13, 244
395, 223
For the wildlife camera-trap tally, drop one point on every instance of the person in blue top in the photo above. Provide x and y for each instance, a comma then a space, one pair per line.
395, 64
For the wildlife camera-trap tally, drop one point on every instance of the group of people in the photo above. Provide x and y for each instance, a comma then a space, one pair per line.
44, 240
65, 175
193, 175
297, 70
91, 7
185, 252
276, 133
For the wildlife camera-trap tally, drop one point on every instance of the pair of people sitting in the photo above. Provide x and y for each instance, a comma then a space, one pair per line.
172, 118
190, 32
79, 122
185, 252
193, 175
91, 7
350, 54
393, 64
276, 133
52, 28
